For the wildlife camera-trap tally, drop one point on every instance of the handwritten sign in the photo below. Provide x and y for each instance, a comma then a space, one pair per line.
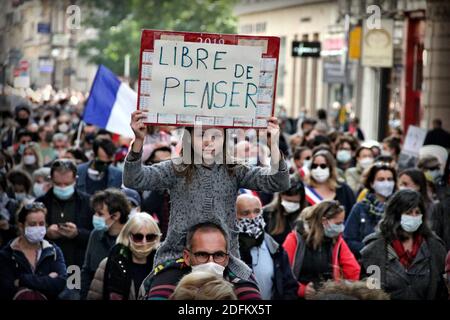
414, 140
213, 79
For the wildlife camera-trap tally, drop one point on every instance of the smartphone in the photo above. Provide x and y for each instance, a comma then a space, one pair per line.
60, 225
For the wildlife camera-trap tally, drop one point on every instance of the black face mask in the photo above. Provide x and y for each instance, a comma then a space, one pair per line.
22, 121
101, 166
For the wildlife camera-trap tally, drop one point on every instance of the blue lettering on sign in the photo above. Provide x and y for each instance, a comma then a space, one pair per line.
166, 86
185, 55
216, 58
160, 58
233, 93
200, 59
248, 95
186, 92
221, 92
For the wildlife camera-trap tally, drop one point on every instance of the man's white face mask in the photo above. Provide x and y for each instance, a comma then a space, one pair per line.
210, 267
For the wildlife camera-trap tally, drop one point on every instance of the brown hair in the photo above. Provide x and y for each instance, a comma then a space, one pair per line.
346, 290
369, 175
329, 159
326, 209
187, 170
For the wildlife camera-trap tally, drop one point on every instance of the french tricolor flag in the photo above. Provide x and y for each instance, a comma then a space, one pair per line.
110, 103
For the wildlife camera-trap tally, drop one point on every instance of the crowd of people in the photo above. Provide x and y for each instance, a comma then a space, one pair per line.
339, 218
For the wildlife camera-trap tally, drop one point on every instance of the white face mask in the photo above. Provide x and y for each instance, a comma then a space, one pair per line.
29, 159
210, 267
307, 163
384, 188
364, 163
410, 223
63, 127
343, 156
38, 189
290, 206
320, 175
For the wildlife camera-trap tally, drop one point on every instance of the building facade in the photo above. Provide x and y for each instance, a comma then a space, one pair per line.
38, 40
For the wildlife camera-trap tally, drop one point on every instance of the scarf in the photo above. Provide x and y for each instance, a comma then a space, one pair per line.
375, 206
246, 243
407, 257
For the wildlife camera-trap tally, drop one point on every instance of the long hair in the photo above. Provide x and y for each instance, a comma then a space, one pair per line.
279, 213
418, 177
401, 202
326, 209
329, 159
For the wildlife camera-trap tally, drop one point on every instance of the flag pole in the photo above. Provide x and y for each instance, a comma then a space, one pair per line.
80, 127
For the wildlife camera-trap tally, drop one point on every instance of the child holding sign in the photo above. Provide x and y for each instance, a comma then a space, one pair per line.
202, 192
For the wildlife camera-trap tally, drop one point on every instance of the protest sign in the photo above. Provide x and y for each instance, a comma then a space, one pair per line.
210, 79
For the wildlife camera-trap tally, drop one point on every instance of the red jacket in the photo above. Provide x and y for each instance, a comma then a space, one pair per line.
344, 262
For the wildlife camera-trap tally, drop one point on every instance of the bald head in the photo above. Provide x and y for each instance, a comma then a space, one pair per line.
248, 206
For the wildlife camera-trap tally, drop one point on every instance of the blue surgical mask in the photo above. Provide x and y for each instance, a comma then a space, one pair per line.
20, 196
64, 193
333, 230
410, 223
99, 223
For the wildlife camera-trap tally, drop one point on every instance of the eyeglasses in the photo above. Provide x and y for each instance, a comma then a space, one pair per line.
139, 237
34, 206
322, 166
203, 257
66, 163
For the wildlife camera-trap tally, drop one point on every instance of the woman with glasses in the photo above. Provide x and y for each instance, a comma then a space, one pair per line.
323, 182
120, 275
31, 268
381, 183
316, 250
406, 255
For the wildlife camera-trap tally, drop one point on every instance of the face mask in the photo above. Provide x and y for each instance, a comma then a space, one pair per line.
253, 227
343, 156
364, 163
20, 196
210, 267
38, 189
101, 166
290, 206
22, 122
141, 250
21, 149
320, 175
384, 188
63, 127
410, 223
35, 234
435, 174
29, 160
99, 223
307, 163
386, 153
64, 193
333, 230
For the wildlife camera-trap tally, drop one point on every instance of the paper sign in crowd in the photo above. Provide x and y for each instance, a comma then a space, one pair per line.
190, 82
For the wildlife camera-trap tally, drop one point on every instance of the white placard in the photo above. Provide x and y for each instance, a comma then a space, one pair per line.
414, 140
205, 79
